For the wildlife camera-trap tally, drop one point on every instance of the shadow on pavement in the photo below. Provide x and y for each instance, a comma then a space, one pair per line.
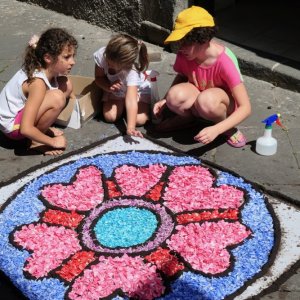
8, 290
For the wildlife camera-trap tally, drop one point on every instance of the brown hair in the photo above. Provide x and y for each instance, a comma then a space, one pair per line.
200, 35
51, 42
126, 50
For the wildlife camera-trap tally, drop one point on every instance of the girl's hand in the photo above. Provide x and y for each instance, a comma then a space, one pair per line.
207, 135
59, 142
159, 107
116, 86
134, 132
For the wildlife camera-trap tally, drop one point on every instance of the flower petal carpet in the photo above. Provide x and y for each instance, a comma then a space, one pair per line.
122, 220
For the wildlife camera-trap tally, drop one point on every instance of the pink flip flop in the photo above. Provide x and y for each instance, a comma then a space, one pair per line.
235, 138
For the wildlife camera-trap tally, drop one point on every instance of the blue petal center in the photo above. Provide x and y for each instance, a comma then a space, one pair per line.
125, 227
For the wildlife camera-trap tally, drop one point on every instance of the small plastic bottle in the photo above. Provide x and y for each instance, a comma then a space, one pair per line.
154, 94
266, 144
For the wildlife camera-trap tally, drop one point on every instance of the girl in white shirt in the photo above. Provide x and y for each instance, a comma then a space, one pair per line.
33, 98
119, 72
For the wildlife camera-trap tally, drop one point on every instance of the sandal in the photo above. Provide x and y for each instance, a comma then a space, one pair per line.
235, 138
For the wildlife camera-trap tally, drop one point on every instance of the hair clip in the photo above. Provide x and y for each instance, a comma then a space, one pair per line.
33, 41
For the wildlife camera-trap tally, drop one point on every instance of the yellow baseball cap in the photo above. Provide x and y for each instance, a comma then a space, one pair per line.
188, 19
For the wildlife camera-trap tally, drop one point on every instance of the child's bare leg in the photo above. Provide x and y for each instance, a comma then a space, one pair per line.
180, 98
143, 113
213, 104
65, 85
51, 107
53, 104
113, 109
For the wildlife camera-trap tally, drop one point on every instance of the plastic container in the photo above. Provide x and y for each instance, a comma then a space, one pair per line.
152, 77
266, 144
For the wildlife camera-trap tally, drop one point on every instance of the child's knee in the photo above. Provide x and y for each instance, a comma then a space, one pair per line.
208, 105
58, 99
141, 119
179, 101
110, 117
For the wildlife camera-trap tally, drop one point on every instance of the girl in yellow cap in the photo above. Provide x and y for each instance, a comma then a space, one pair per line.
208, 83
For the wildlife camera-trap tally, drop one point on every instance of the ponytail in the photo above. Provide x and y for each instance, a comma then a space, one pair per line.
142, 57
31, 62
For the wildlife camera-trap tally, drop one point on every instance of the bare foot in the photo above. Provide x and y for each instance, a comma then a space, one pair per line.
44, 149
53, 131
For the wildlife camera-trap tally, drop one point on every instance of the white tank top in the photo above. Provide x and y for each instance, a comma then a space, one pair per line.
12, 98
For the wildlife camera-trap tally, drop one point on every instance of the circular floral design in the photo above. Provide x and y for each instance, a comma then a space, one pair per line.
138, 225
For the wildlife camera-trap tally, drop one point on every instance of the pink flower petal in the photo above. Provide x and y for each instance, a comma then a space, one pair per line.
204, 246
132, 275
137, 181
83, 194
50, 246
190, 188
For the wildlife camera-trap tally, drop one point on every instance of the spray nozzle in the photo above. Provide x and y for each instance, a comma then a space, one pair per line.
151, 75
271, 119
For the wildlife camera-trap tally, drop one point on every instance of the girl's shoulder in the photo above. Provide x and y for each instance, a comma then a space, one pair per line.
41, 75
99, 57
132, 73
228, 58
214, 54
100, 51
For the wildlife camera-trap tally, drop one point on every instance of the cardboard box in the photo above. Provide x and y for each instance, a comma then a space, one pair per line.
86, 104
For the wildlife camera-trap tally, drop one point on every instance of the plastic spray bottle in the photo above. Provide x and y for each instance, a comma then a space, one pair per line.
152, 77
266, 144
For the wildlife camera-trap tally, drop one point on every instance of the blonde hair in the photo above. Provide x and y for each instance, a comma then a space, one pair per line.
127, 52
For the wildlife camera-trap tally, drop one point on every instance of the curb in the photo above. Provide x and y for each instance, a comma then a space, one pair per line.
280, 72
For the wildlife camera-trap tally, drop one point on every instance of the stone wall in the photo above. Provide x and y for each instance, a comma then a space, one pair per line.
148, 19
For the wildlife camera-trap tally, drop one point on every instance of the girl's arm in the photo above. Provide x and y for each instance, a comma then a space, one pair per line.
36, 94
160, 105
131, 105
102, 81
242, 111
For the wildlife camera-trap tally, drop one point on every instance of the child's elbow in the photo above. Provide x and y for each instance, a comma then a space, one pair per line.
25, 131
249, 110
